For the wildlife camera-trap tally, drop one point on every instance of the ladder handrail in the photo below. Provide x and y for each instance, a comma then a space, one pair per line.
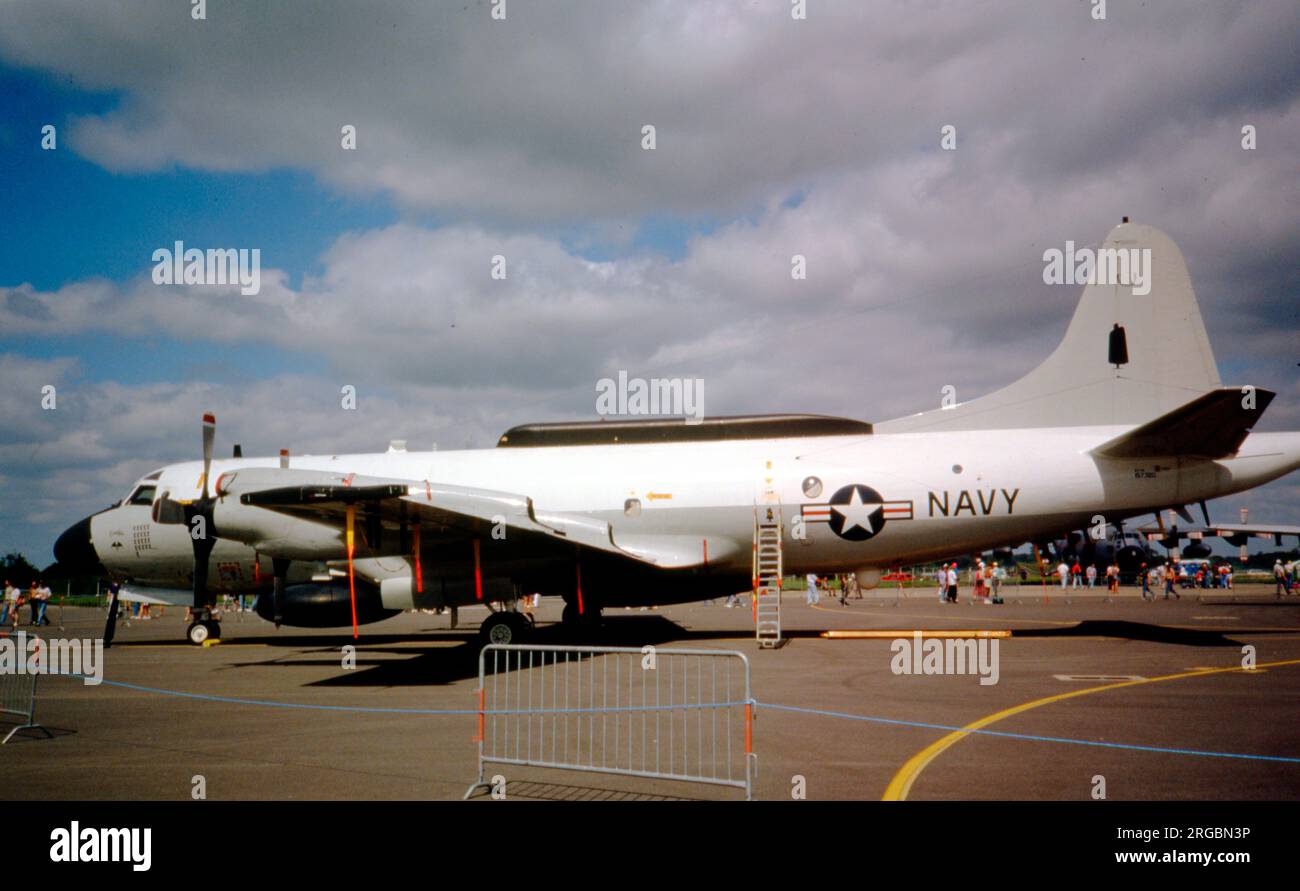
768, 569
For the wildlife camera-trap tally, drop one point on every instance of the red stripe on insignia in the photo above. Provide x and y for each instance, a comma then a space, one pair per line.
898, 510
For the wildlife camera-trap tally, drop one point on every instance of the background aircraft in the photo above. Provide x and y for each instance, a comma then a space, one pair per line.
619, 513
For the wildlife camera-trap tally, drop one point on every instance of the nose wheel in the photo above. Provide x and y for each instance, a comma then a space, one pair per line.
203, 630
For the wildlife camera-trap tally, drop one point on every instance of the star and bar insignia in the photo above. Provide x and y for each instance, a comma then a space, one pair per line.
856, 512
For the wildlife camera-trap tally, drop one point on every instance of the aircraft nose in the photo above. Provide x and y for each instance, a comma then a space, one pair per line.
74, 550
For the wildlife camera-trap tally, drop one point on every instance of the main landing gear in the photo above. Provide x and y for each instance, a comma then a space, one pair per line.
506, 627
581, 625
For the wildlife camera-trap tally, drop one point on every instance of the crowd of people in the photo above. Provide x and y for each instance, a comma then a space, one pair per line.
1284, 574
846, 583
36, 598
986, 579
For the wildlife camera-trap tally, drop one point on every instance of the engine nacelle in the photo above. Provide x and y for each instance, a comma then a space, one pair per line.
325, 605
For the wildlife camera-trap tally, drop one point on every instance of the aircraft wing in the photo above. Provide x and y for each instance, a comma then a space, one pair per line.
1212, 425
462, 511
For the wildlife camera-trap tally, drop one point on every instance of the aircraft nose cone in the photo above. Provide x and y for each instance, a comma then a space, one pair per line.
74, 550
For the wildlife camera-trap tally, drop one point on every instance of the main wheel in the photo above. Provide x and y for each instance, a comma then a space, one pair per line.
504, 628
198, 632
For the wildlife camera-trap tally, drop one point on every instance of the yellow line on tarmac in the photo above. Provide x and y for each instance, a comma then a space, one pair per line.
178, 646
901, 784
959, 634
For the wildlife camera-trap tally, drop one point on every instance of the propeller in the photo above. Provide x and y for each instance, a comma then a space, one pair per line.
203, 535
352, 584
279, 570
110, 624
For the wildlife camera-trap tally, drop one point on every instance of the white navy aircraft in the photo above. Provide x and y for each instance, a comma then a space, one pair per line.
1127, 417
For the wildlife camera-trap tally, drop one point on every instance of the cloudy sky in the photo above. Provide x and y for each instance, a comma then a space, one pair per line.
523, 138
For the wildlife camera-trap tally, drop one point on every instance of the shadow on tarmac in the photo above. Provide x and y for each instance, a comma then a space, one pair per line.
1187, 637
379, 661
538, 791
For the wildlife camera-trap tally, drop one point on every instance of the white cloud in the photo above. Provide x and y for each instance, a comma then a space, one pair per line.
924, 265
539, 117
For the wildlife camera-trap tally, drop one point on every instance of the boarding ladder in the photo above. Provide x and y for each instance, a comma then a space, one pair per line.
767, 574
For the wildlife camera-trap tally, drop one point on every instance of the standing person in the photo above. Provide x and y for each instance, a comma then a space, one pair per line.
1112, 578
952, 583
814, 597
1146, 582
1063, 570
978, 591
33, 601
999, 576
1279, 576
844, 589
1170, 575
1092, 576
11, 597
941, 576
43, 593
1076, 574
15, 601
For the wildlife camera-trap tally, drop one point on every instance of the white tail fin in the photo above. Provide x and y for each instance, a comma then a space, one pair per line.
1169, 357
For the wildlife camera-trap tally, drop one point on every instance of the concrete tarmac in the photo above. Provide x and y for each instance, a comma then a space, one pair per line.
1149, 699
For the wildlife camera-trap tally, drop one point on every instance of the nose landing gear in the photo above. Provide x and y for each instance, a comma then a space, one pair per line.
204, 628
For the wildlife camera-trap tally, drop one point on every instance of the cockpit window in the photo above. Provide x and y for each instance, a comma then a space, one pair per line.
142, 495
153, 476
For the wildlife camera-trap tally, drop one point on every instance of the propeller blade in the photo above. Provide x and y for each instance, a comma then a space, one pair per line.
209, 434
202, 553
110, 624
419, 574
352, 585
279, 569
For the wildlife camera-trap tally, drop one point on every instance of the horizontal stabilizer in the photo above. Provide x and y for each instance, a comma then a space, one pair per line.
1212, 425
1238, 532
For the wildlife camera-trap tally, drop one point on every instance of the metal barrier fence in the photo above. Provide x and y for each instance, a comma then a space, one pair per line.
18, 695
667, 714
